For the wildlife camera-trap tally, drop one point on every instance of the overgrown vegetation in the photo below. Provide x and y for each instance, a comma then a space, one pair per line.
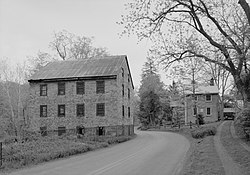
20, 154
202, 132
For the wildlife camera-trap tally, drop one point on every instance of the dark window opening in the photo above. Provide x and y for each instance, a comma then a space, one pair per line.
123, 111
43, 110
122, 72
61, 110
80, 130
61, 88
61, 131
208, 111
208, 97
80, 110
100, 131
100, 87
128, 93
43, 131
195, 111
80, 87
196, 98
43, 90
129, 112
123, 90
100, 109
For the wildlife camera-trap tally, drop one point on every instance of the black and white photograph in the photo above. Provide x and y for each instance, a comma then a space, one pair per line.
124, 87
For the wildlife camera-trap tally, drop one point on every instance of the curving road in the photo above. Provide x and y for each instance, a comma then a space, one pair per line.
150, 153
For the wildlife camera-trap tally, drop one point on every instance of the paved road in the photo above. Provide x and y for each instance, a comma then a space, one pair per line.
150, 153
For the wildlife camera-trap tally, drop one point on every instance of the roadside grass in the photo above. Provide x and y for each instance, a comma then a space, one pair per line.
18, 155
234, 149
202, 157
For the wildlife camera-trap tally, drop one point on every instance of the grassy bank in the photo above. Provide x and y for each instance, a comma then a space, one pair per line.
202, 157
234, 149
18, 155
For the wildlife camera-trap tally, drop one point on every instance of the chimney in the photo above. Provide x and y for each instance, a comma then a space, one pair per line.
212, 82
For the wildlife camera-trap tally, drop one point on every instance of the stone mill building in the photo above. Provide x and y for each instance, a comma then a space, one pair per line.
89, 97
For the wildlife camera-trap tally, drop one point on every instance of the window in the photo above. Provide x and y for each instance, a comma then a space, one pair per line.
43, 131
43, 90
128, 112
61, 110
122, 72
208, 111
208, 98
80, 130
123, 112
80, 87
100, 131
80, 110
195, 111
128, 93
43, 110
100, 109
123, 90
100, 87
196, 98
61, 130
61, 88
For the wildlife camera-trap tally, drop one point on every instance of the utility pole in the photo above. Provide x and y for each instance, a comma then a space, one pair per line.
194, 101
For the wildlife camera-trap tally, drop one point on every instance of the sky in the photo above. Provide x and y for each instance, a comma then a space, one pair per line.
27, 26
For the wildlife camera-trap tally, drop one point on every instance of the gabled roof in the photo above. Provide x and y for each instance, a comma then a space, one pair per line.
204, 90
98, 67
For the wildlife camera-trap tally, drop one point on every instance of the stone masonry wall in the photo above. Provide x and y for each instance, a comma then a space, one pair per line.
124, 100
70, 99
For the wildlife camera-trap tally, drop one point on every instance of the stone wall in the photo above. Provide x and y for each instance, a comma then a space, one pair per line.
124, 100
111, 98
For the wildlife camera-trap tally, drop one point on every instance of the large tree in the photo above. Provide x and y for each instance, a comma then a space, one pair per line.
70, 46
182, 29
154, 102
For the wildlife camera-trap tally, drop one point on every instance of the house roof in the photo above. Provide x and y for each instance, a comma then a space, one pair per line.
97, 67
204, 90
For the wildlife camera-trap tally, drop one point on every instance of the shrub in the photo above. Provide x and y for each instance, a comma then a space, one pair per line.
203, 132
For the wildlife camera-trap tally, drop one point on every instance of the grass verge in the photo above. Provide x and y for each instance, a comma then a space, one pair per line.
202, 157
234, 149
19, 155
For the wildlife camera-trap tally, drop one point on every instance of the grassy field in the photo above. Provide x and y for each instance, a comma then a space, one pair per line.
18, 155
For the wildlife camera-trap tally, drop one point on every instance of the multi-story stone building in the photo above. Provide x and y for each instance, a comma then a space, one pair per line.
206, 103
91, 97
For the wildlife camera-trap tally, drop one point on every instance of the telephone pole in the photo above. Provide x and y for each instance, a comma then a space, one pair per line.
194, 101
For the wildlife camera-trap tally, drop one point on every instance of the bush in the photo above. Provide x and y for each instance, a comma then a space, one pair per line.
203, 132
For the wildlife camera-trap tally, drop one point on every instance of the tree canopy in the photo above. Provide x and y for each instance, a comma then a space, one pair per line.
181, 29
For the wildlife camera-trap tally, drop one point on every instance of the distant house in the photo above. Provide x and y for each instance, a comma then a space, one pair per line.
205, 102
89, 97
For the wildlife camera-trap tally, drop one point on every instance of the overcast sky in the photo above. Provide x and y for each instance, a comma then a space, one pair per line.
27, 26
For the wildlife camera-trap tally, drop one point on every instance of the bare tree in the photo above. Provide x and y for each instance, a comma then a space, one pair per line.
212, 25
71, 46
